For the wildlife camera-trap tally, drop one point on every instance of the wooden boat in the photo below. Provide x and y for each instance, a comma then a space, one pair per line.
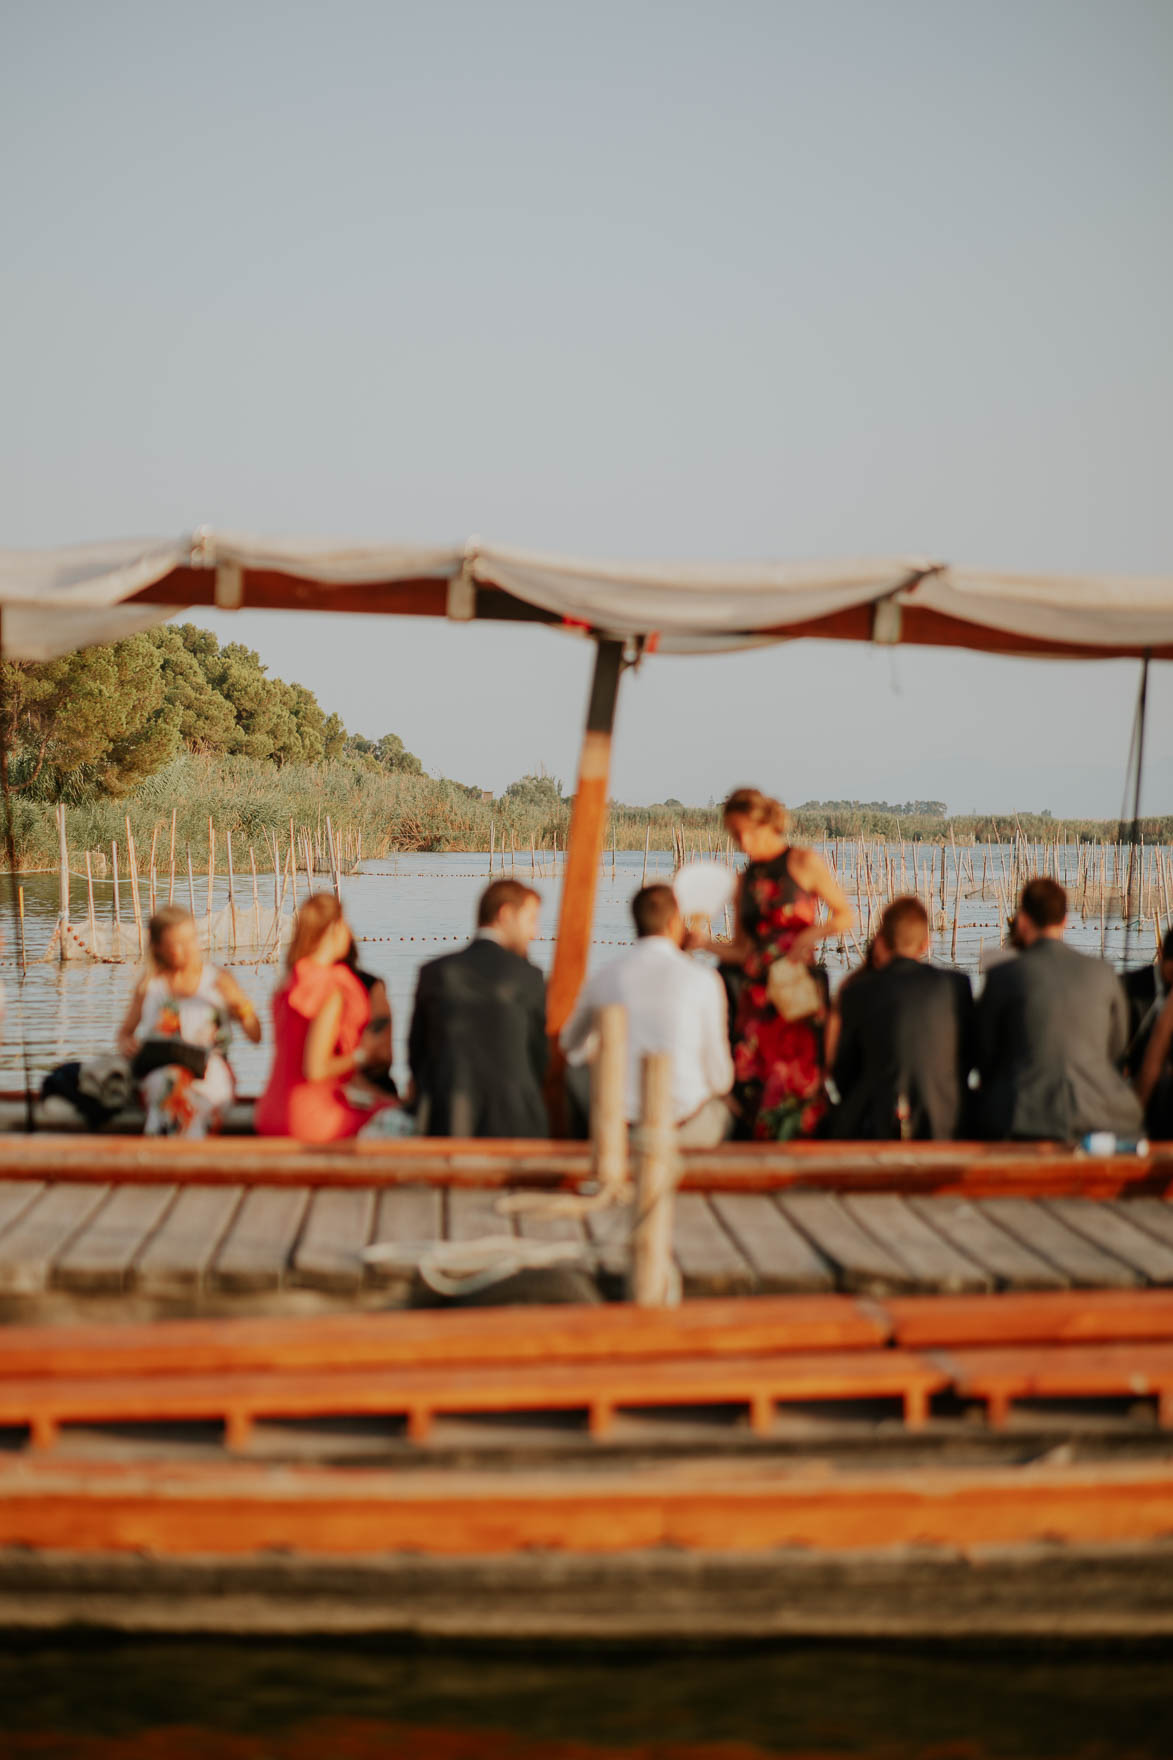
912, 1390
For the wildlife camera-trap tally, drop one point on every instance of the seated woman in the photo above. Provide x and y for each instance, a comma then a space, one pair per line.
177, 1030
376, 1073
778, 1052
321, 1022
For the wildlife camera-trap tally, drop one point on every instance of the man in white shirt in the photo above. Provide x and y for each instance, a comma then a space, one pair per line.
673, 1004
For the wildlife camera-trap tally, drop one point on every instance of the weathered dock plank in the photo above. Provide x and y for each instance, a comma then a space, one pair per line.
1106, 1226
782, 1259
329, 1253
710, 1263
1084, 1264
101, 1256
177, 1257
17, 1196
861, 1263
1012, 1264
409, 1217
473, 1214
1154, 1215
255, 1254
938, 1265
29, 1247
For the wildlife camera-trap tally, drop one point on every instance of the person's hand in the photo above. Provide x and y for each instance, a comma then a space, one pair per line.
696, 941
128, 1045
803, 946
367, 1050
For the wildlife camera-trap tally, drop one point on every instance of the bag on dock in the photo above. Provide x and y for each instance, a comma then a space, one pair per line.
97, 1089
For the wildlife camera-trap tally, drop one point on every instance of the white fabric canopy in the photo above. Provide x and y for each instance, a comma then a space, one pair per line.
56, 600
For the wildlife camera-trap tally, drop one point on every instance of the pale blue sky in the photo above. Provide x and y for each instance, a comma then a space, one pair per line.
710, 281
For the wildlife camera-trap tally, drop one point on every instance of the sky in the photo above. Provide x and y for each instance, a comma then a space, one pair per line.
647, 279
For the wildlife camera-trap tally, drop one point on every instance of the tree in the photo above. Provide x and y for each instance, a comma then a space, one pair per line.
333, 737
95, 720
538, 792
388, 753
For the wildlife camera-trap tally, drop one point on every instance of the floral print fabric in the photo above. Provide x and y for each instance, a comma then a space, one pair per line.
778, 1063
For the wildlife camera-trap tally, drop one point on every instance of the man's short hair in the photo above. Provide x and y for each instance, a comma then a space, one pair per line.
904, 925
653, 908
1043, 902
497, 895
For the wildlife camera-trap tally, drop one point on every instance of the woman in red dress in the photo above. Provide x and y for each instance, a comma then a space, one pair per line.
779, 1061
321, 1016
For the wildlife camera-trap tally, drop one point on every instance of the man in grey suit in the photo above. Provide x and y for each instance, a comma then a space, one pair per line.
1052, 1026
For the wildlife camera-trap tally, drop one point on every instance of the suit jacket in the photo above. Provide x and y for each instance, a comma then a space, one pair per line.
907, 1030
1140, 987
477, 1045
1052, 1026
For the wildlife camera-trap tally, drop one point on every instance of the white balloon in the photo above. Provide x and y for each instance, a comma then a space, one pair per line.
703, 889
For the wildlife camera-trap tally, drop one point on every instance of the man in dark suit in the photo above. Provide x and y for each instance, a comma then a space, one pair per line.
1146, 989
477, 1045
906, 1039
1052, 1028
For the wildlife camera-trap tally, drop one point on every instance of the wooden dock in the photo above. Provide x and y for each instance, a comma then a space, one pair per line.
909, 1392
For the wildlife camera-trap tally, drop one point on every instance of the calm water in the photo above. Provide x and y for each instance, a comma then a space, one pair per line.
244, 1701
405, 910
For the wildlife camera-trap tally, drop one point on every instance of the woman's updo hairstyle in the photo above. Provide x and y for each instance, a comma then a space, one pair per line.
758, 808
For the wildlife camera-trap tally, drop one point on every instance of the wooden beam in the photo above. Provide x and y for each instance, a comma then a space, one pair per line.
584, 849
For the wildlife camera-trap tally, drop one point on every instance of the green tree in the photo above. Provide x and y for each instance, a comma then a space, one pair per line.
538, 792
97, 721
333, 737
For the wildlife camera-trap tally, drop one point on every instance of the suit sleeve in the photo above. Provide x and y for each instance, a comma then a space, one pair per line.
987, 1025
848, 1056
417, 1038
967, 1044
539, 1044
1118, 1033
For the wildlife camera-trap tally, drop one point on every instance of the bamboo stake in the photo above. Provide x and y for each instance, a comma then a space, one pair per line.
643, 879
171, 876
231, 893
211, 878
132, 866
20, 909
117, 900
90, 907
330, 845
152, 892
62, 881
191, 881
252, 862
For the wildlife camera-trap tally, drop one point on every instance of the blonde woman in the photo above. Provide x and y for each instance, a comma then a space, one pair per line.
778, 1051
177, 1030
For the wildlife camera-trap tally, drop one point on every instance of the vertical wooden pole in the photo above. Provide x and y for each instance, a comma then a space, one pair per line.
609, 1099
62, 881
333, 854
117, 900
191, 882
171, 877
90, 907
252, 862
132, 868
152, 893
653, 1280
231, 892
24, 964
584, 852
643, 879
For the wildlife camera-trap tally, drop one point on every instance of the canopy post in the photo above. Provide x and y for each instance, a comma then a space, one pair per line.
584, 847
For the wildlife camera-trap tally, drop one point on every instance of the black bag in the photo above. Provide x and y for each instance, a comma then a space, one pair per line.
165, 1053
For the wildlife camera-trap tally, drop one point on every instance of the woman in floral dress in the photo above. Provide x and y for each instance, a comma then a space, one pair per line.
778, 1062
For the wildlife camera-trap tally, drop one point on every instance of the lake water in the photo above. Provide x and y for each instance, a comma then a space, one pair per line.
182, 1700
405, 910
